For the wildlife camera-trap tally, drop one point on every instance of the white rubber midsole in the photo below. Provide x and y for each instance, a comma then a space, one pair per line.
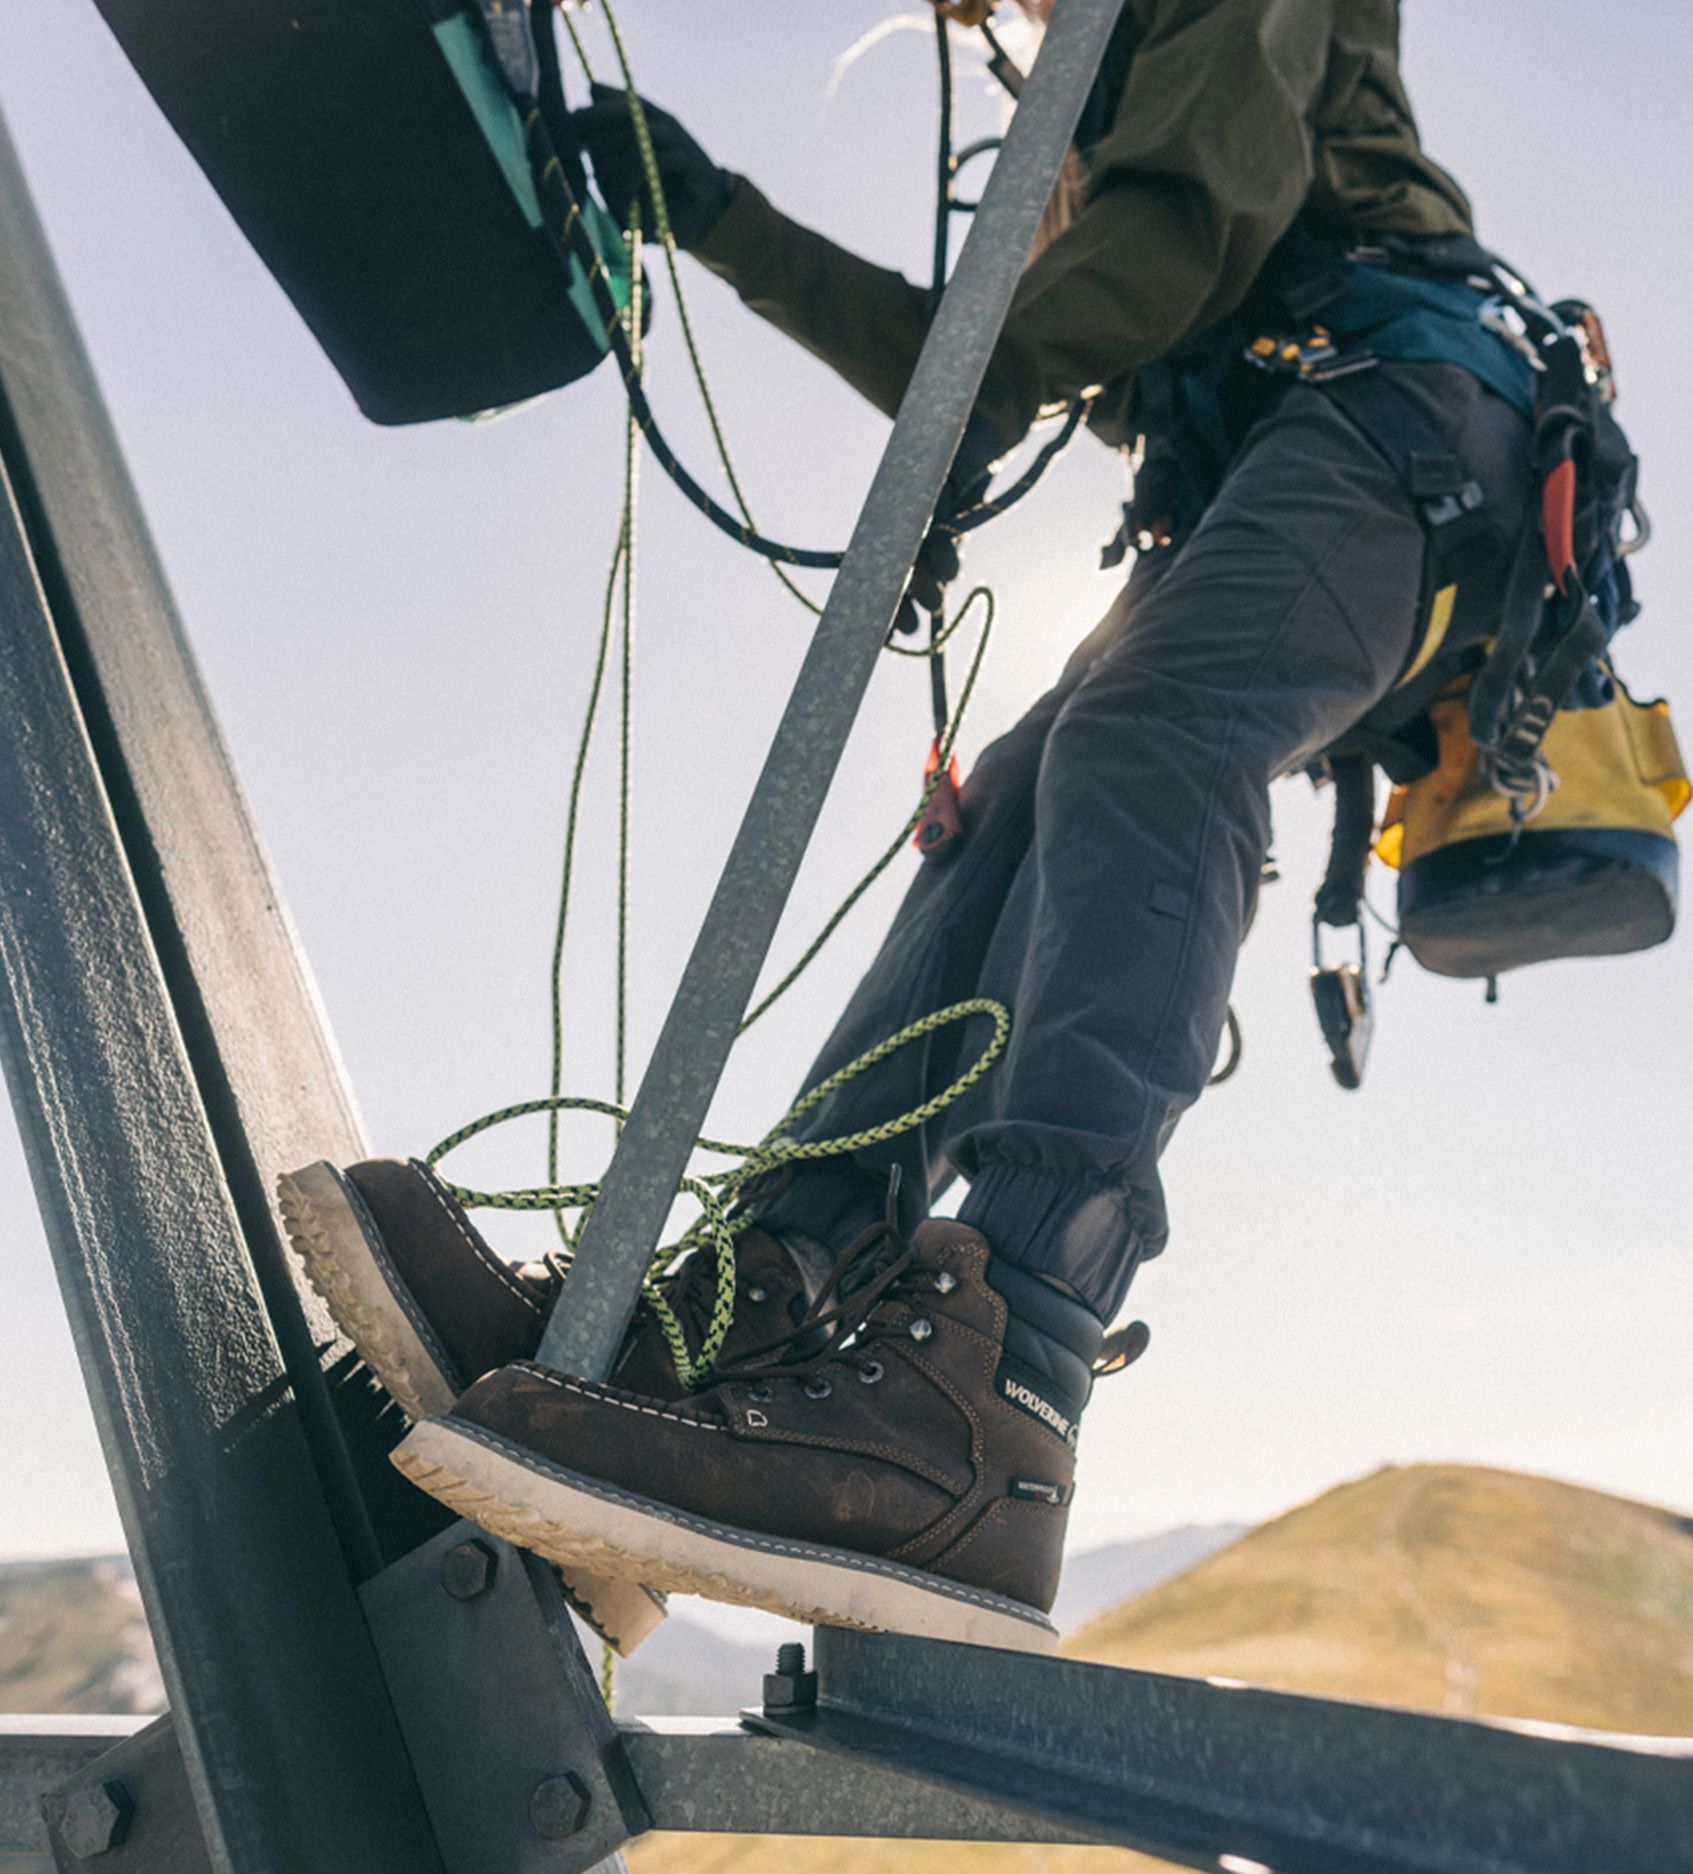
347, 1270
576, 1523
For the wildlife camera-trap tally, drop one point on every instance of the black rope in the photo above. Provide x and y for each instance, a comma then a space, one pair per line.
943, 160
567, 231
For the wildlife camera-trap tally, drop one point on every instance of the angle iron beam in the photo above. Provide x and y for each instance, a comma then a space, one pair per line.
1195, 1770
286, 1730
497, 1704
598, 1298
711, 1776
37, 1752
130, 1808
267, 1067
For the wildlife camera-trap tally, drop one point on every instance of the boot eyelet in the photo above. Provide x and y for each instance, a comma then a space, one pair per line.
758, 1294
761, 1394
921, 1328
871, 1373
818, 1388
945, 1282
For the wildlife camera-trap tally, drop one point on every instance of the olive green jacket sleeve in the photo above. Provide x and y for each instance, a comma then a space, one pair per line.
1207, 163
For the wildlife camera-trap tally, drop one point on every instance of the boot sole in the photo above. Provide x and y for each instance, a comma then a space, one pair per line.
578, 1522
341, 1251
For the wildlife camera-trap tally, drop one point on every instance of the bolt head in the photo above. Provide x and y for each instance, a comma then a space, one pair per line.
559, 1806
96, 1818
468, 1570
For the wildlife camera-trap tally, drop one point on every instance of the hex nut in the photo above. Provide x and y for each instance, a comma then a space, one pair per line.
559, 1807
468, 1570
790, 1687
96, 1818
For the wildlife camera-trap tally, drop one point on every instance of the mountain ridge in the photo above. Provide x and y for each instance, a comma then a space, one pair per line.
1441, 1587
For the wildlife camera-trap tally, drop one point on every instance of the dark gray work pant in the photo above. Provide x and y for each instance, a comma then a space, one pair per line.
1114, 843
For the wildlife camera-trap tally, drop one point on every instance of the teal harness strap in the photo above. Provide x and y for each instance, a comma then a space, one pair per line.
1415, 320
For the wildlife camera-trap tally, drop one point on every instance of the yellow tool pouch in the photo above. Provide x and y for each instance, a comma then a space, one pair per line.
1592, 873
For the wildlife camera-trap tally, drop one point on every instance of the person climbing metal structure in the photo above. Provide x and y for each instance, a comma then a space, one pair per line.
1381, 516
1281, 295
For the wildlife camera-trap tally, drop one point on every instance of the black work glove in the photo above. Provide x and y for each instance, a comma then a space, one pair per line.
938, 558
696, 191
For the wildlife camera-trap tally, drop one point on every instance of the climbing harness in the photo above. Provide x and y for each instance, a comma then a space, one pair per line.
1535, 798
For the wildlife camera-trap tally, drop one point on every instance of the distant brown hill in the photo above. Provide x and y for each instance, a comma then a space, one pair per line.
73, 1638
1442, 1587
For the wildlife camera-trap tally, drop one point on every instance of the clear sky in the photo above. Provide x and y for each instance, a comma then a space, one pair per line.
1486, 1255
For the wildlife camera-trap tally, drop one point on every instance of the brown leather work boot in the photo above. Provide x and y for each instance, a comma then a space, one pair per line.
430, 1308
907, 1476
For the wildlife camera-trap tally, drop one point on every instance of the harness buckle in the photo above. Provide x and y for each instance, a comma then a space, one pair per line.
1341, 995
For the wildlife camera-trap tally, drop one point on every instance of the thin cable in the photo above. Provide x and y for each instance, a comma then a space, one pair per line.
626, 686
564, 10
945, 745
570, 235
572, 816
943, 161
667, 239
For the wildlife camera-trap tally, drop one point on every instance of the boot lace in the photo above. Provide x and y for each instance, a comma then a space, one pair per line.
841, 1326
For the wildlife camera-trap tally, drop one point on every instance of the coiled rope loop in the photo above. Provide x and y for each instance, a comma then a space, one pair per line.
716, 1191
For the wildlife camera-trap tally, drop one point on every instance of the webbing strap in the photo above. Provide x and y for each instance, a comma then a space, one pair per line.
1342, 889
1449, 500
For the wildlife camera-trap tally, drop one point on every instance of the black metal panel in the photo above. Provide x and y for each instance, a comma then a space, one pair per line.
286, 1731
337, 137
496, 1701
130, 1808
36, 1754
1196, 1770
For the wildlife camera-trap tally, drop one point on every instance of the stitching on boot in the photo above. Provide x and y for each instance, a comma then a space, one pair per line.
595, 1397
494, 1264
744, 1538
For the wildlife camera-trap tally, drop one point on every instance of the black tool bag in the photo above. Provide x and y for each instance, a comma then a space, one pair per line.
378, 181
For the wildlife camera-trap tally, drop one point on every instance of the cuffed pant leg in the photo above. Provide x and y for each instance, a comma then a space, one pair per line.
1286, 615
931, 958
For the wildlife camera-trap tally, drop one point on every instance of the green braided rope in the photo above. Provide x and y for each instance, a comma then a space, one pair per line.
661, 219
562, 7
716, 1191
948, 741
622, 563
626, 680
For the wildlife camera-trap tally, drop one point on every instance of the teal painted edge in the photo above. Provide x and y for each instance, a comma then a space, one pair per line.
496, 116
467, 56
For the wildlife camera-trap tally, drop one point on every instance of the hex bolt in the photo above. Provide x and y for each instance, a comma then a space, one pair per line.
468, 1570
96, 1817
559, 1806
790, 1688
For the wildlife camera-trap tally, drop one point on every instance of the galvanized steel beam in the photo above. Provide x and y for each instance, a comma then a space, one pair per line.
285, 1727
37, 1753
520, 1767
1196, 1770
712, 1776
598, 1298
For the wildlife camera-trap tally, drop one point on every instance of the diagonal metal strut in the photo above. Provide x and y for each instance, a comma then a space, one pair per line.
588, 1324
